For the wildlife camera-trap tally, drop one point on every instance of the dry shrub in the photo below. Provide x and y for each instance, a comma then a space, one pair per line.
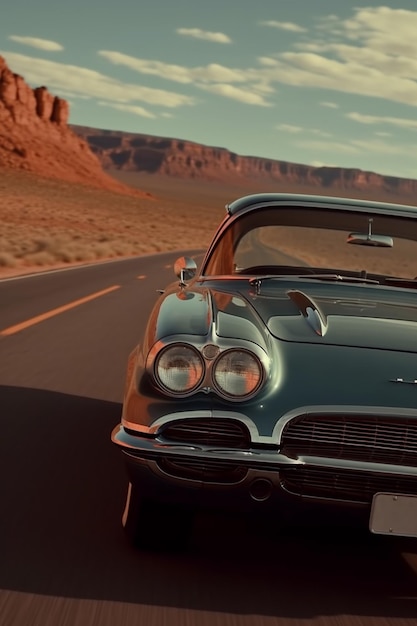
40, 258
7, 260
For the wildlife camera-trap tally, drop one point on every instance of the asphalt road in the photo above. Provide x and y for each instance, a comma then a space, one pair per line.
64, 341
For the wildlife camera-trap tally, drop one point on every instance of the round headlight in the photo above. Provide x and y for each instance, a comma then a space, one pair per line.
237, 373
179, 368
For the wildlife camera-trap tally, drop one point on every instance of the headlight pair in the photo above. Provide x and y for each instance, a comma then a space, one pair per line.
235, 373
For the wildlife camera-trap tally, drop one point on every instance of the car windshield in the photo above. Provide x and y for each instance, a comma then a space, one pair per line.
302, 241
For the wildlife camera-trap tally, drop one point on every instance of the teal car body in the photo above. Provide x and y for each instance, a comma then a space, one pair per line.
282, 375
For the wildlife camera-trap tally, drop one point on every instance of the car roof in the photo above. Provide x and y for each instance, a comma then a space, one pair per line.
262, 200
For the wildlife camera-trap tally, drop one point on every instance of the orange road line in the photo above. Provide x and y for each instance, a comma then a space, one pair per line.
141, 276
44, 316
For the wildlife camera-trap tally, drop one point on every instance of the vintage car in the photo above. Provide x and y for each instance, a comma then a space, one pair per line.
280, 380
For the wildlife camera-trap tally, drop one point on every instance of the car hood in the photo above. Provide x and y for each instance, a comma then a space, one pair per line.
355, 317
319, 313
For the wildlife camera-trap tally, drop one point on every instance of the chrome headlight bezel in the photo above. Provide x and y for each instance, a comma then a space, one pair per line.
198, 364
256, 361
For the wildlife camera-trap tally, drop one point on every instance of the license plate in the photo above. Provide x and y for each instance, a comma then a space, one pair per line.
394, 514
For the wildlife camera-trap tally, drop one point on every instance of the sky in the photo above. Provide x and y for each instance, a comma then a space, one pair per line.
319, 82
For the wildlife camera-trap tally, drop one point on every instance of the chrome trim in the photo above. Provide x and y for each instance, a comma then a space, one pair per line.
142, 447
257, 283
310, 311
363, 466
275, 438
208, 414
169, 417
250, 424
139, 428
382, 411
210, 351
336, 500
185, 268
355, 205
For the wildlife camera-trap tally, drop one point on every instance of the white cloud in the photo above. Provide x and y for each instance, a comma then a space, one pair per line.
35, 42
389, 30
329, 105
128, 108
354, 61
331, 25
328, 146
81, 81
381, 147
218, 73
322, 164
177, 73
263, 87
197, 33
64, 93
312, 70
319, 132
382, 133
363, 147
289, 128
367, 57
267, 61
375, 119
214, 78
235, 93
372, 54
288, 26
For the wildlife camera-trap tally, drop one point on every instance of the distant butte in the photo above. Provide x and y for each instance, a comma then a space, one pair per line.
124, 151
35, 136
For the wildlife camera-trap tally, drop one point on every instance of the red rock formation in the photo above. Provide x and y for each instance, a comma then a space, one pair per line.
35, 136
173, 157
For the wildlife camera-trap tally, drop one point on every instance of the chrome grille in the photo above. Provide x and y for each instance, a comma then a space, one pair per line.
357, 438
344, 484
215, 432
203, 470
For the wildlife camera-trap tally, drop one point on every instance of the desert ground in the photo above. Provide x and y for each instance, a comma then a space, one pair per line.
47, 223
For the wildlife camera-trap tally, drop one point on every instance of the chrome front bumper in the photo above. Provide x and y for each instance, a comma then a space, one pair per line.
258, 474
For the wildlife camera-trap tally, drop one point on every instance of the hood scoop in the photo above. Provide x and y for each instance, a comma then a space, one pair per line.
310, 311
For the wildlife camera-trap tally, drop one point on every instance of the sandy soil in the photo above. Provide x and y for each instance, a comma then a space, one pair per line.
48, 223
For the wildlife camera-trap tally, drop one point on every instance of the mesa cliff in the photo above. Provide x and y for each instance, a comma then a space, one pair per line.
35, 136
123, 151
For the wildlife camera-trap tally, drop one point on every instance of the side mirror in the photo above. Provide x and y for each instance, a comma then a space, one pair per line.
185, 269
